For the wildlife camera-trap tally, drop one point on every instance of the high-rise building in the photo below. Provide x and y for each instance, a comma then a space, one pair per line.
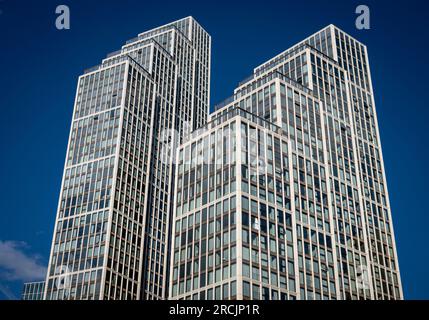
33, 290
283, 193
280, 194
111, 231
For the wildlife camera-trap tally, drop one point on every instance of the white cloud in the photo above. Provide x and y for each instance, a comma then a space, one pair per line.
16, 264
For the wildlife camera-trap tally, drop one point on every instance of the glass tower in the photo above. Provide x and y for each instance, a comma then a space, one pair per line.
283, 194
111, 231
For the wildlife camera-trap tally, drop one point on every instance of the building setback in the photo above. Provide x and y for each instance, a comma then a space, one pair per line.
280, 193
300, 211
111, 230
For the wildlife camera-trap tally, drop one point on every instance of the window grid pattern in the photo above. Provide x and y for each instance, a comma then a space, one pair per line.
353, 57
33, 291
79, 240
355, 191
205, 236
124, 255
114, 162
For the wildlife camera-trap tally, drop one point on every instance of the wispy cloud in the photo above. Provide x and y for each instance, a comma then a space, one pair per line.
16, 264
5, 290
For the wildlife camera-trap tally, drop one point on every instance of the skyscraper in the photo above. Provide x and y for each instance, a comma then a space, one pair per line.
112, 224
283, 194
280, 194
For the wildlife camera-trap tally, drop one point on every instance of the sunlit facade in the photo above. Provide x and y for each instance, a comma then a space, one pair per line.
280, 193
111, 230
315, 223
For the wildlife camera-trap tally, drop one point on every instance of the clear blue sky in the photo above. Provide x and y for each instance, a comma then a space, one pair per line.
39, 67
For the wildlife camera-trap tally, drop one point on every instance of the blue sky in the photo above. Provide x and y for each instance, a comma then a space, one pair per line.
39, 67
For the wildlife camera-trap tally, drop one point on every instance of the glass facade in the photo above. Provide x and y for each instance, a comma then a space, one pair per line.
316, 222
111, 232
280, 193
33, 290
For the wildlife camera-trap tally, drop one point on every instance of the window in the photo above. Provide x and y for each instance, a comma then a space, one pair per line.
246, 290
